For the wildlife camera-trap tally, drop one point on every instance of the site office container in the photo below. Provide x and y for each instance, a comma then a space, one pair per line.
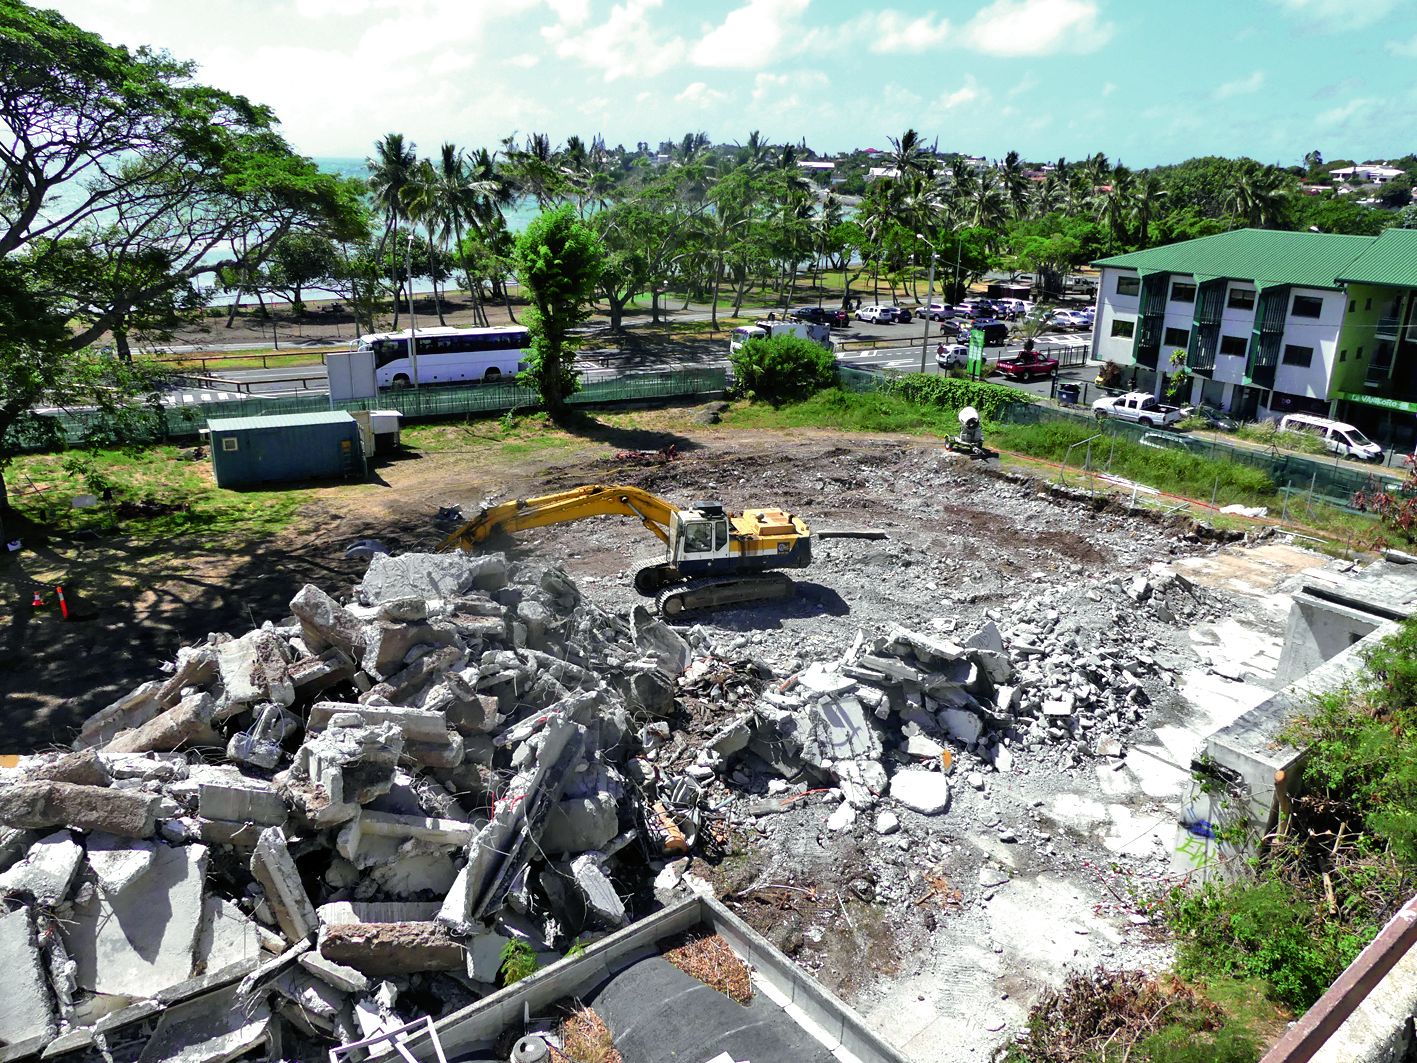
285, 447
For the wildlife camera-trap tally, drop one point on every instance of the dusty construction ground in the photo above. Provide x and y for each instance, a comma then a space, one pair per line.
940, 934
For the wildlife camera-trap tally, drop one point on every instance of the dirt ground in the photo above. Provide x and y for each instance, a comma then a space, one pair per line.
915, 928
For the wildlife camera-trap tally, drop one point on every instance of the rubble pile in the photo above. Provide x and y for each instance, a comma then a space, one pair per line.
335, 823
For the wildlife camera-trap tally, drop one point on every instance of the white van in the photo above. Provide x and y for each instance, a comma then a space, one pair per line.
1343, 439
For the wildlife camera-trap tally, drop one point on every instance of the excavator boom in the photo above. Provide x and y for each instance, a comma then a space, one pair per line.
593, 500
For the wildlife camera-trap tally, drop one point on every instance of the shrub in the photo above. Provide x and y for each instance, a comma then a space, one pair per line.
991, 400
518, 962
783, 368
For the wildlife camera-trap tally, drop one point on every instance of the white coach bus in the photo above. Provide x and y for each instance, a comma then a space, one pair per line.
448, 355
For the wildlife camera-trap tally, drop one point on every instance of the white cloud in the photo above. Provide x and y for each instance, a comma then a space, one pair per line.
624, 45
1407, 49
1341, 115
1109, 88
698, 94
1025, 84
570, 12
1329, 15
1240, 86
1037, 27
779, 94
525, 61
969, 92
754, 35
891, 32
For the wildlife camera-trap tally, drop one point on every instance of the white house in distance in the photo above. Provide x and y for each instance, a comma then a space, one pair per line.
1368, 173
1255, 315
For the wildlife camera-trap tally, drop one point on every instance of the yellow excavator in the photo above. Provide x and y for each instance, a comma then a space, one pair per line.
712, 558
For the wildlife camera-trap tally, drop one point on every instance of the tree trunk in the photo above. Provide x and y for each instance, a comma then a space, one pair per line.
713, 299
433, 274
617, 310
120, 344
654, 304
235, 306
507, 302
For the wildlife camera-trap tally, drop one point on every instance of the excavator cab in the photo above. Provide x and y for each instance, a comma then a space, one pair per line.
699, 533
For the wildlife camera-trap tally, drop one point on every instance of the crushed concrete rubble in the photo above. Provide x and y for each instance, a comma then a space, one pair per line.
337, 822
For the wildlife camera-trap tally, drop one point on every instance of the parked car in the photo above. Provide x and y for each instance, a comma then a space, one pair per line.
1343, 439
951, 356
953, 326
877, 314
1069, 319
1215, 417
938, 311
815, 314
1027, 365
838, 318
996, 333
904, 314
1016, 308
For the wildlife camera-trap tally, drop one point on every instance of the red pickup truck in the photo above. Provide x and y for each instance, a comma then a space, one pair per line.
1027, 365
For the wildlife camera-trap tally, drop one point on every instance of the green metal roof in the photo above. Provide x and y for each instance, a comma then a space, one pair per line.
278, 420
1266, 256
1390, 259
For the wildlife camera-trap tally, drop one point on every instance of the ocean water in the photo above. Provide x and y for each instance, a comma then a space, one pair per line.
519, 215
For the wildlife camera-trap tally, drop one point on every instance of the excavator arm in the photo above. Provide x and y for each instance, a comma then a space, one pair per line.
593, 500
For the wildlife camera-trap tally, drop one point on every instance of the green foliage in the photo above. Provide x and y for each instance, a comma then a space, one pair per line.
991, 400
518, 962
559, 261
1265, 929
1338, 214
780, 369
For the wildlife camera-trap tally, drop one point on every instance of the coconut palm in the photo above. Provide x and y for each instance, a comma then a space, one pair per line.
1114, 203
1147, 193
909, 157
391, 170
1016, 183
1257, 195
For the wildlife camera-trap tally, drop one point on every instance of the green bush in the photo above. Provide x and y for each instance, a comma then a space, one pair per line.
929, 389
518, 962
783, 368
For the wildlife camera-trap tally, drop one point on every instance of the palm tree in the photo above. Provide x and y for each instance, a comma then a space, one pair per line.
460, 197
1016, 183
1145, 196
908, 156
423, 205
1114, 203
391, 171
1257, 196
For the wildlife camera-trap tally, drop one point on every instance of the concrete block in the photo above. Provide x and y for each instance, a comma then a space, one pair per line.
26, 1007
450, 575
133, 709
654, 637
326, 623
386, 645
310, 675
186, 724
927, 792
578, 824
227, 936
255, 668
413, 724
84, 768
47, 871
118, 862
425, 829
62, 804
146, 767
409, 874
385, 949
339, 912
275, 870
248, 801
142, 939
345, 979
484, 956
602, 902
962, 725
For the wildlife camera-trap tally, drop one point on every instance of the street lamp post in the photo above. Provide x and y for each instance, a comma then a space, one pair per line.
929, 299
412, 317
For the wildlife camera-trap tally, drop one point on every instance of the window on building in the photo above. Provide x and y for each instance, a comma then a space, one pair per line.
1343, 355
1128, 285
1359, 356
1367, 305
1234, 345
1352, 305
1177, 337
1309, 306
1183, 292
1295, 355
1124, 329
1241, 299
230, 443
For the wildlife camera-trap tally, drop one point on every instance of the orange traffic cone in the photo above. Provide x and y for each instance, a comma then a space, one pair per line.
37, 602
63, 605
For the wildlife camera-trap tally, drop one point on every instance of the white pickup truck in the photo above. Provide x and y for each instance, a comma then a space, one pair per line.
1137, 406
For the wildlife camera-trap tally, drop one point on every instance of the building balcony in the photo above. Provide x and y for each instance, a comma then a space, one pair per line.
1387, 328
1379, 375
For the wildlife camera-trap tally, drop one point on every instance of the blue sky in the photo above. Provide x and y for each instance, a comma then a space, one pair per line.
1144, 81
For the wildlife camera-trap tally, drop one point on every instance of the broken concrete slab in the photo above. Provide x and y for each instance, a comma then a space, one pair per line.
336, 913
212, 1028
242, 800
413, 724
117, 862
408, 874
255, 668
275, 870
839, 728
143, 938
425, 829
325, 623
577, 824
186, 724
450, 575
656, 638
60, 804
384, 949
227, 937
962, 725
26, 1006
484, 956
603, 903
47, 871
345, 767
926, 792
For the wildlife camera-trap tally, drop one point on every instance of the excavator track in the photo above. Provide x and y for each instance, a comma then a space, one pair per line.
711, 593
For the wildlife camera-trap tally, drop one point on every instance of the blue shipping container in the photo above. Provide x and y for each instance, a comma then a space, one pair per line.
285, 447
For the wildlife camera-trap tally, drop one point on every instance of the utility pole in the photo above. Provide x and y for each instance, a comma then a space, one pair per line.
412, 318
